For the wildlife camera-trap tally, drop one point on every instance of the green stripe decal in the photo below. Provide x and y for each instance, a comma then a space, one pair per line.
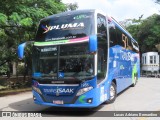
134, 71
50, 43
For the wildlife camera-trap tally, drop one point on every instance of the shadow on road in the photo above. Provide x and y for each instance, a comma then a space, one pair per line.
26, 105
29, 106
63, 111
123, 91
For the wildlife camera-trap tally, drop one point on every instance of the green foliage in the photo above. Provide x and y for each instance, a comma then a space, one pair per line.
3, 69
14, 17
3, 18
26, 22
147, 32
18, 23
20, 69
72, 6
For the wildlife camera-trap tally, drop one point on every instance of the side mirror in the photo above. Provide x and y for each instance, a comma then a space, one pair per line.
21, 48
93, 43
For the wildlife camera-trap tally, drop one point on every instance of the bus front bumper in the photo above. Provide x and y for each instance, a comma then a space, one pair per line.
82, 101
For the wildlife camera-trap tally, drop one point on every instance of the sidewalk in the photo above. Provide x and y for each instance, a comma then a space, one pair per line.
14, 91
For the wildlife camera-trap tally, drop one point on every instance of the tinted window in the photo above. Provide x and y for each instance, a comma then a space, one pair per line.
65, 27
72, 60
113, 36
119, 37
102, 47
135, 46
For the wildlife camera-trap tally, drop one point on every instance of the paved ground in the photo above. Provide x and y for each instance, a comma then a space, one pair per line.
144, 97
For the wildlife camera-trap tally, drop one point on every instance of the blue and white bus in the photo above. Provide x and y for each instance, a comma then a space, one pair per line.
81, 58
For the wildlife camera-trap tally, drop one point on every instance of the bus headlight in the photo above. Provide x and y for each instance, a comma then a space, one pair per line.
84, 90
37, 90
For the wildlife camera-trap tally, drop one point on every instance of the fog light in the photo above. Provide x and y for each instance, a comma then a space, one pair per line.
89, 100
34, 98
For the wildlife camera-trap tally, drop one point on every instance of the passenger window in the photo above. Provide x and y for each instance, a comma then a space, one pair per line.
119, 37
151, 59
115, 34
154, 59
112, 36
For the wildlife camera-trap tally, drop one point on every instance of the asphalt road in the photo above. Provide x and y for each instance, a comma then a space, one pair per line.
145, 96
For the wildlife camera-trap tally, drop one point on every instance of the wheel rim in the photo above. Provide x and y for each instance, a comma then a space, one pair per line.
112, 92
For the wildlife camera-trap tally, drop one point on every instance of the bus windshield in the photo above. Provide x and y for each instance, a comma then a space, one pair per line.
64, 27
72, 61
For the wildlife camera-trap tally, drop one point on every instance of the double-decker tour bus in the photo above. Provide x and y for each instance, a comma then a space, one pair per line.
81, 58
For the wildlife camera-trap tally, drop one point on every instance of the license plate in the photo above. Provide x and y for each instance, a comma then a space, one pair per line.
58, 101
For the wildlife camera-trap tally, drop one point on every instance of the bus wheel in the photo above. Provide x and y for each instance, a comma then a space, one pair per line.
135, 80
113, 93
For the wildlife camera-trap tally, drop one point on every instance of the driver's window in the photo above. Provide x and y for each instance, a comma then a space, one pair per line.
102, 46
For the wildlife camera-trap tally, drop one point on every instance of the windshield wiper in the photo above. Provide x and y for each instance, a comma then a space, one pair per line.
43, 78
71, 80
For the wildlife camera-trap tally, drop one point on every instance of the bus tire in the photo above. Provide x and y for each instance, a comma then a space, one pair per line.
135, 80
113, 93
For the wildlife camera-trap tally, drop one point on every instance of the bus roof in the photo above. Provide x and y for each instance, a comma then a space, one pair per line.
90, 10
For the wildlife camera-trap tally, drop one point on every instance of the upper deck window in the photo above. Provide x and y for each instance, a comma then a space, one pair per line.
69, 26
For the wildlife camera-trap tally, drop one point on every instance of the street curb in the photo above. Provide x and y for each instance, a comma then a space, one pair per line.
14, 92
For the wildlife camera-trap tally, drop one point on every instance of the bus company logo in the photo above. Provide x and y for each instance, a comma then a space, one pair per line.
58, 91
126, 56
61, 74
47, 28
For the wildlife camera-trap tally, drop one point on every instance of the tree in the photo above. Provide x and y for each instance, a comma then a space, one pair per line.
147, 33
72, 6
18, 23
157, 1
